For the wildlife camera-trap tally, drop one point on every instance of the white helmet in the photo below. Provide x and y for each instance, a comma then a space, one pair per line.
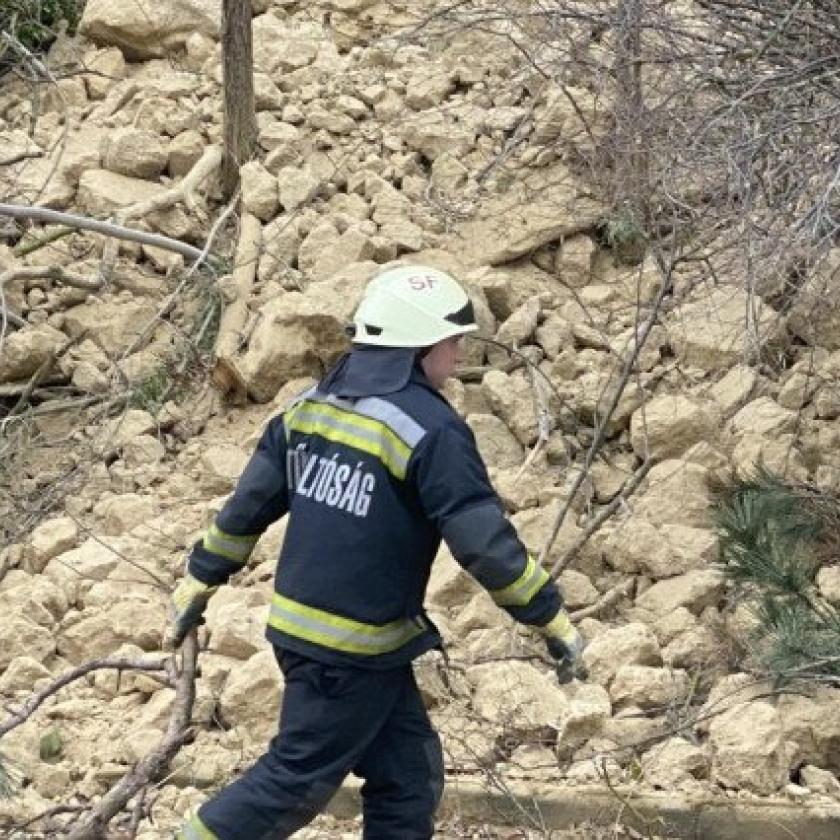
412, 306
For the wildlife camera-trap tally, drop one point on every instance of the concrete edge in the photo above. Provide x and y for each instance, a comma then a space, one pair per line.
671, 815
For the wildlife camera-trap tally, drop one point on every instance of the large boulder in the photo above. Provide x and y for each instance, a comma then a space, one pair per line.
518, 692
135, 152
649, 688
144, 30
497, 445
673, 762
675, 492
628, 644
694, 590
301, 333
636, 545
749, 748
712, 332
20, 635
543, 208
251, 697
812, 722
815, 314
668, 425
116, 324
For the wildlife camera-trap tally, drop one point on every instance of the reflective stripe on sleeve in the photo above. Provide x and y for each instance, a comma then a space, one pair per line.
351, 429
237, 549
522, 590
195, 830
339, 633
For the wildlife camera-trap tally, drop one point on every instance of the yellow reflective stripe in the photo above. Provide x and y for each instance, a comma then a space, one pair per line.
195, 829
522, 590
230, 546
339, 633
351, 429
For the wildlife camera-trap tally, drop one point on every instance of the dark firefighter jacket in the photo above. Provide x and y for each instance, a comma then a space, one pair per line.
374, 468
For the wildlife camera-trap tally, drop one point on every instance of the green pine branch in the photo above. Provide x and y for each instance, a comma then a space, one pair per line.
774, 536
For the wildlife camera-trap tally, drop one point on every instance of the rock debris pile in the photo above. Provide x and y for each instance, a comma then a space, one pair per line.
373, 148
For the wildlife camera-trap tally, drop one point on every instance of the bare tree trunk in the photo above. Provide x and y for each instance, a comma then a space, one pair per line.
240, 119
629, 146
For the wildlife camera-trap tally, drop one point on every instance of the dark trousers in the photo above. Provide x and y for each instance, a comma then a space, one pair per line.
333, 721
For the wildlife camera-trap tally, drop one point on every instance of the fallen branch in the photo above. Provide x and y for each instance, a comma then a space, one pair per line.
607, 600
183, 191
603, 515
50, 272
26, 711
21, 156
225, 376
56, 217
151, 766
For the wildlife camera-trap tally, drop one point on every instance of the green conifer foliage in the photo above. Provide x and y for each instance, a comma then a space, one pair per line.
775, 535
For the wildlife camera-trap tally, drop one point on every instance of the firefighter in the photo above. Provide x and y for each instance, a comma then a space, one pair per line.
374, 468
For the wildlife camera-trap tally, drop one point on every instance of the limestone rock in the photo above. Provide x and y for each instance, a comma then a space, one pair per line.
97, 632
120, 514
780, 455
694, 590
91, 561
668, 425
102, 192
535, 524
53, 537
828, 581
530, 214
18, 634
296, 185
299, 334
587, 713
658, 551
127, 427
116, 324
259, 190
811, 721
432, 134
577, 589
27, 349
428, 88
669, 764
497, 445
632, 643
764, 416
732, 391
449, 585
749, 749
448, 173
236, 632
649, 688
511, 398
185, 150
251, 696
21, 675
573, 262
148, 32
481, 613
711, 333
135, 152
675, 492
221, 465
517, 691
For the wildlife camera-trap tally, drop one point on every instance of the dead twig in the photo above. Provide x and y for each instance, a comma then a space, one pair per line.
608, 599
35, 700
603, 515
50, 272
23, 249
